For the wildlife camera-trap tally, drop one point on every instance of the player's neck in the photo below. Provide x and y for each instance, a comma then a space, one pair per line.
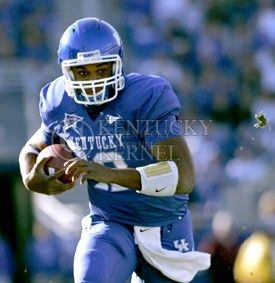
94, 110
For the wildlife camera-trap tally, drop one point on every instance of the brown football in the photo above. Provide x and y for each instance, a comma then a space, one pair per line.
60, 153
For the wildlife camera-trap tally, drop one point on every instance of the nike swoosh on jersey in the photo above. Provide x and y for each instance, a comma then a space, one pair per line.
159, 190
143, 230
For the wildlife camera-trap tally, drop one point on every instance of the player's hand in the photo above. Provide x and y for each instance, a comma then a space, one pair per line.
83, 170
38, 181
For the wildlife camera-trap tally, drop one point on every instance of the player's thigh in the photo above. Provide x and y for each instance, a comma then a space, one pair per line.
177, 236
106, 252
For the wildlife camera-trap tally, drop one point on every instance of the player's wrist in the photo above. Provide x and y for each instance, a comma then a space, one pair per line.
109, 175
99, 173
127, 177
34, 183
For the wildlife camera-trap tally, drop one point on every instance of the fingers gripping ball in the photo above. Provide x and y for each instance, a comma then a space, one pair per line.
60, 153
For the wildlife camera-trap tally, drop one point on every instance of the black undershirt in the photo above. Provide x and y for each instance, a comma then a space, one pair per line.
95, 110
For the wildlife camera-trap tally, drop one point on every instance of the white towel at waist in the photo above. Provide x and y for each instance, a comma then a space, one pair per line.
178, 266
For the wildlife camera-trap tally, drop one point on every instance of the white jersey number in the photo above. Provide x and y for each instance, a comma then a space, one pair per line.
117, 160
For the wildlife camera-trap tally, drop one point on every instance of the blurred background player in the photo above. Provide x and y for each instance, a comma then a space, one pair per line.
255, 260
7, 262
223, 244
42, 254
125, 132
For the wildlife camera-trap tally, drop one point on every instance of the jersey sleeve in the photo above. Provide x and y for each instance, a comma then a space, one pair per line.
44, 111
159, 115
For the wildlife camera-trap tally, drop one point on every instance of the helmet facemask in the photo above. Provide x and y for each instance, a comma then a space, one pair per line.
80, 90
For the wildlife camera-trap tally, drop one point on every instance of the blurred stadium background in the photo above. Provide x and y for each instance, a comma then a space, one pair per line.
220, 57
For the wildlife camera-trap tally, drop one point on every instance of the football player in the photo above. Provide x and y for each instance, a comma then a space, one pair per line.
125, 132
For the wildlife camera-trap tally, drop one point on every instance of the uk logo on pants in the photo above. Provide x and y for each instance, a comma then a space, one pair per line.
181, 245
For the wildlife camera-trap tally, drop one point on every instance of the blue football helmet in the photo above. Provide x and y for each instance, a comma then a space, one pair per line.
91, 41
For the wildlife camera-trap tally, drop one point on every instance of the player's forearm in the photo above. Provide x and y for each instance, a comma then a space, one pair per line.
26, 163
129, 178
28, 155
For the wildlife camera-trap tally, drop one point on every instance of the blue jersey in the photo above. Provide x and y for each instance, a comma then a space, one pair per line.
144, 113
